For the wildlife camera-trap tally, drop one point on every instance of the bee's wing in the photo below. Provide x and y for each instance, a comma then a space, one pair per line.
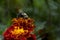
25, 15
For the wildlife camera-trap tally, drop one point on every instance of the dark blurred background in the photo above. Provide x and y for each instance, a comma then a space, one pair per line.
46, 14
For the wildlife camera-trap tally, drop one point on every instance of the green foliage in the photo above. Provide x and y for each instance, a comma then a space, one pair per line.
46, 14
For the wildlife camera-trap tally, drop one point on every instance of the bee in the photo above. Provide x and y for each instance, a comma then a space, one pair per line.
22, 14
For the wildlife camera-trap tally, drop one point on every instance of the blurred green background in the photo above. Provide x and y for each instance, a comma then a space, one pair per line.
46, 14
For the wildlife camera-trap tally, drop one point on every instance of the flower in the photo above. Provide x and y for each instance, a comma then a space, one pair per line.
20, 30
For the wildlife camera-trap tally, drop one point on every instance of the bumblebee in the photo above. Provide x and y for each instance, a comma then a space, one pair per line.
22, 14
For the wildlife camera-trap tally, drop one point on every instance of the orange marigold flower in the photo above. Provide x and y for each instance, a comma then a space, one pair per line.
20, 30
